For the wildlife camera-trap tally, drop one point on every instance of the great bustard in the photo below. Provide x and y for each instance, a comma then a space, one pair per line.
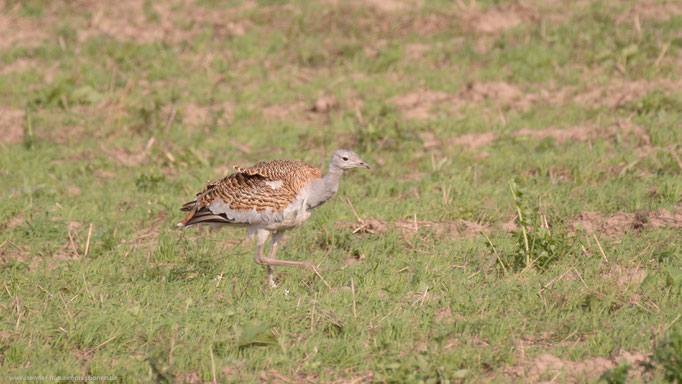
269, 198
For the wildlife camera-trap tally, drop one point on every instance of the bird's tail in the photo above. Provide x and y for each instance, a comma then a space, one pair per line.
203, 217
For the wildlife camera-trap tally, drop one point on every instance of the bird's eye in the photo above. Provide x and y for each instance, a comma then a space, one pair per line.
345, 158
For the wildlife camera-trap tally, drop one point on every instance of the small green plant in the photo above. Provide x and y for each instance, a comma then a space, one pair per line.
28, 130
616, 375
254, 333
668, 354
417, 369
535, 243
146, 182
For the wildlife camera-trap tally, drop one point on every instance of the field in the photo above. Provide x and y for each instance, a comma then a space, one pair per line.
520, 223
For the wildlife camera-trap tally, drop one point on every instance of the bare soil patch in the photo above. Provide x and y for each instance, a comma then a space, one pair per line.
196, 116
586, 133
420, 105
617, 94
383, 6
298, 110
325, 104
15, 222
18, 66
620, 223
472, 141
575, 371
63, 134
393, 5
416, 51
651, 10
408, 228
20, 31
11, 125
170, 22
128, 20
625, 276
498, 19
126, 157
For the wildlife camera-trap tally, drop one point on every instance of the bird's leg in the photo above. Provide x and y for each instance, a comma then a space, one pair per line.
276, 237
271, 262
261, 238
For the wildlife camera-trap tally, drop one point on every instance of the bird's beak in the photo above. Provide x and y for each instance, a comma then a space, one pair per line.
364, 165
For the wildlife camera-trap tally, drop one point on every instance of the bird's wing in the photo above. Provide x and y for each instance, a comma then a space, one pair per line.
294, 174
255, 195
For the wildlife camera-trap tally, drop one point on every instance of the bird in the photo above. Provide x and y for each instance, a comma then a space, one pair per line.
269, 198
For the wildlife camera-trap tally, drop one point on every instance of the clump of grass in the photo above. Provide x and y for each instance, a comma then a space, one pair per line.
668, 354
28, 130
617, 375
536, 245
146, 182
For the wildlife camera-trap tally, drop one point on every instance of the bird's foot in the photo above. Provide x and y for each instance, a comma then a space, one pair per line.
271, 279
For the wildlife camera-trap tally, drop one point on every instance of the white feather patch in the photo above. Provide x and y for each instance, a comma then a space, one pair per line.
274, 184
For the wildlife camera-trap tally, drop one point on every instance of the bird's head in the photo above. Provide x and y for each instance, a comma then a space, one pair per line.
346, 159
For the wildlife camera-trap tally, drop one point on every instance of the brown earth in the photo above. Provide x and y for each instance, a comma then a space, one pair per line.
618, 93
18, 66
420, 105
585, 133
574, 371
473, 141
620, 223
650, 10
15, 222
625, 276
416, 51
11, 125
408, 228
498, 19
128, 158
284, 111
195, 116
324, 104
24, 32
170, 22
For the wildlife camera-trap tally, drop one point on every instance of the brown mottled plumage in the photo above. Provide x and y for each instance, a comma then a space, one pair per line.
249, 189
269, 198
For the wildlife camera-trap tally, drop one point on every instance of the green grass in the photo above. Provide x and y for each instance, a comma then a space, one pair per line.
150, 303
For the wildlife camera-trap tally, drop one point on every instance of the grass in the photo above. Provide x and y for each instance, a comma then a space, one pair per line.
116, 132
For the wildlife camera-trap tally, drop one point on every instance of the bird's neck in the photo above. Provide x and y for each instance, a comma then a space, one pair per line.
324, 189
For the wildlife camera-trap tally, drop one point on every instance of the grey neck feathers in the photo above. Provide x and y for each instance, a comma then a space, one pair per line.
324, 189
